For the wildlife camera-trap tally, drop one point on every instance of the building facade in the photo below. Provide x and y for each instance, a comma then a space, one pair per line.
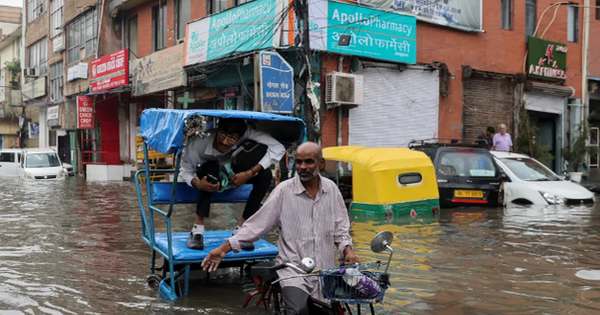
384, 74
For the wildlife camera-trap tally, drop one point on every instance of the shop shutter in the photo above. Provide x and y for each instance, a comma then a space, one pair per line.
397, 107
544, 103
487, 101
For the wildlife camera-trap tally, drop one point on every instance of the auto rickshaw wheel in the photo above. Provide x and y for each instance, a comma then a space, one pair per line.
153, 281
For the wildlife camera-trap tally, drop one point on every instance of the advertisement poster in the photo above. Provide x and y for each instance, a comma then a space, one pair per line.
460, 14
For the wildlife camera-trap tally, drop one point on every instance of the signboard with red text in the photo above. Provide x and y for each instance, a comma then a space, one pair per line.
110, 71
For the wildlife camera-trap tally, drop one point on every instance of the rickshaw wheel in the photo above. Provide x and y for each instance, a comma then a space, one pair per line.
153, 281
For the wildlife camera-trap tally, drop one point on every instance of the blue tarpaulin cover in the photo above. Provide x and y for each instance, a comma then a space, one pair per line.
162, 129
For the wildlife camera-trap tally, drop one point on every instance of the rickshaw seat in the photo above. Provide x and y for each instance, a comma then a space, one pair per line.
212, 240
184, 194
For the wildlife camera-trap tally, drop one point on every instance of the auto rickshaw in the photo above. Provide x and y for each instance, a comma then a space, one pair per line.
389, 181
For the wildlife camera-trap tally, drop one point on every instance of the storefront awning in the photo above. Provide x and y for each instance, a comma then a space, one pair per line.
113, 91
551, 89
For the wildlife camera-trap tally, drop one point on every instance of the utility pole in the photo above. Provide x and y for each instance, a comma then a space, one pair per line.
301, 8
584, 63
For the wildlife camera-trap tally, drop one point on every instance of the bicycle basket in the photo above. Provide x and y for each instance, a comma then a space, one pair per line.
358, 287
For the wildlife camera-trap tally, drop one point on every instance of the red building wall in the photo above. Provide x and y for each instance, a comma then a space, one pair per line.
494, 50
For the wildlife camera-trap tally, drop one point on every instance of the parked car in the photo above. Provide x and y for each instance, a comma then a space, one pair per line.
10, 162
531, 182
69, 171
41, 164
467, 175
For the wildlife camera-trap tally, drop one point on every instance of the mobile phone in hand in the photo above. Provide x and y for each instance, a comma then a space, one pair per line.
211, 179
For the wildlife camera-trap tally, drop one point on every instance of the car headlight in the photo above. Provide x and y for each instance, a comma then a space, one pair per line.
29, 176
553, 199
60, 174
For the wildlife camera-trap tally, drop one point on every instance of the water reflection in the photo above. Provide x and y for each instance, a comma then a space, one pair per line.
74, 247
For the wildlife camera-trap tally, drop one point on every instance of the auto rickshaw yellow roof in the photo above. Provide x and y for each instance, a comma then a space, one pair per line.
377, 159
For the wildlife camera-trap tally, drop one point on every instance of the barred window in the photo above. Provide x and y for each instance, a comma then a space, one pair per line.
82, 33
38, 56
35, 8
56, 17
56, 81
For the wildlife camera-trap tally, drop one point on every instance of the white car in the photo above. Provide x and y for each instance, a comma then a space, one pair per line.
41, 164
530, 182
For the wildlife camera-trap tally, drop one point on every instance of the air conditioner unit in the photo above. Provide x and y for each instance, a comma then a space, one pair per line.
343, 89
31, 72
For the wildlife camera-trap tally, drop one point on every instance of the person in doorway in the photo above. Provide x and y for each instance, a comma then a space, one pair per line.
502, 140
485, 139
201, 157
310, 214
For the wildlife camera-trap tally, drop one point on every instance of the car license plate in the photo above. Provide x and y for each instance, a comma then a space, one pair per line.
468, 194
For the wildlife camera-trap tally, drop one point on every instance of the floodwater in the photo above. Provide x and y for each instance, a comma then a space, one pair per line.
74, 247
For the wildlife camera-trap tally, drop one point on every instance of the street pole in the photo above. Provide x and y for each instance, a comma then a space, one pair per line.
584, 62
302, 8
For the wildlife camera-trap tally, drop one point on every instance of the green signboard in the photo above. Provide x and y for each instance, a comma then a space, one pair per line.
547, 60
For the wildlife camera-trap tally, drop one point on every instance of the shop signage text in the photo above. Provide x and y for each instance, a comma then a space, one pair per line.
58, 43
248, 27
34, 89
276, 83
85, 112
230, 91
110, 71
52, 116
460, 14
78, 71
159, 71
547, 60
373, 33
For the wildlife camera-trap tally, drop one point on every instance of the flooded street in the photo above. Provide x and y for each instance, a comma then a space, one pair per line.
75, 247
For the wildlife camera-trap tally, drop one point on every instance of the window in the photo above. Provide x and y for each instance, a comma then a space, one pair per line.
35, 8
216, 6
240, 2
506, 7
409, 179
56, 17
183, 17
467, 164
42, 159
38, 56
7, 157
82, 33
598, 10
573, 25
530, 17
132, 39
159, 27
52, 138
529, 169
56, 81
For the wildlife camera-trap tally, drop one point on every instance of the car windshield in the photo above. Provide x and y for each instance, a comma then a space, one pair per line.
529, 169
466, 164
42, 160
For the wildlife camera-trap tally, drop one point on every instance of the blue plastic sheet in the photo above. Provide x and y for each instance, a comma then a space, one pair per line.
162, 129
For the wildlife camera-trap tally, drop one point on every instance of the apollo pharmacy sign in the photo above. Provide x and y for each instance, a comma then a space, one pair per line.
547, 60
248, 27
373, 33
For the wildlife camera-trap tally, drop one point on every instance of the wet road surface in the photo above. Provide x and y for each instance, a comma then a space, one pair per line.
74, 247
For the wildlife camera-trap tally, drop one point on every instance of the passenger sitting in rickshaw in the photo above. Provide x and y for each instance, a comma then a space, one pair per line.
236, 149
312, 219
